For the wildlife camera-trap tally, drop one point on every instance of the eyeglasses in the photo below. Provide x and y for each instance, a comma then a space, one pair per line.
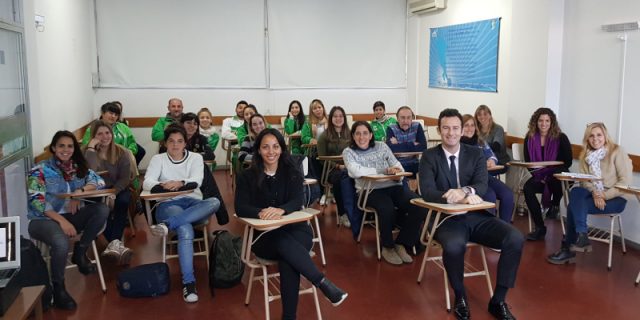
596, 124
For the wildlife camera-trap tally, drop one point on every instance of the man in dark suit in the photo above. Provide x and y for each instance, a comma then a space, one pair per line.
456, 173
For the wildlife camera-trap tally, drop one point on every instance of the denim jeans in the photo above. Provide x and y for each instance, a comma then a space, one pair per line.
89, 220
498, 190
178, 215
581, 204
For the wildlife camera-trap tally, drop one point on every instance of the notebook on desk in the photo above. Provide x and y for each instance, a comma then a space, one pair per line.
9, 248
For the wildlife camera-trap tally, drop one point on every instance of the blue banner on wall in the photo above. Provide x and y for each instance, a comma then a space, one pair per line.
465, 56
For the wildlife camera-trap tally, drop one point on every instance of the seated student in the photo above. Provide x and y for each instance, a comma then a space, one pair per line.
364, 157
545, 142
406, 136
331, 143
103, 154
230, 125
311, 130
497, 189
603, 158
122, 135
247, 148
243, 130
175, 108
381, 122
492, 133
195, 141
179, 169
293, 124
207, 129
141, 151
54, 220
269, 189
464, 181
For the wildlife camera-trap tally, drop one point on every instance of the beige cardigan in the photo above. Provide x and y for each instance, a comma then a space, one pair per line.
616, 169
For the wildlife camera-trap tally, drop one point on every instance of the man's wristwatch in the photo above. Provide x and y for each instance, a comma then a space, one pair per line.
467, 191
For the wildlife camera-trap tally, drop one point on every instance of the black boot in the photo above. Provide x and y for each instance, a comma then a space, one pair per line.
582, 243
552, 213
565, 255
79, 257
331, 292
62, 299
537, 234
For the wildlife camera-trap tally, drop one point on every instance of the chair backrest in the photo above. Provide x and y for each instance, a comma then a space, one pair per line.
432, 133
517, 149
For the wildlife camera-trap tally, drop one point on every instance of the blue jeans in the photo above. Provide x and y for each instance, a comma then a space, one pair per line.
178, 215
498, 190
581, 204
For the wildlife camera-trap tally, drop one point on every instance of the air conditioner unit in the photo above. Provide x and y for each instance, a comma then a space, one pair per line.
423, 6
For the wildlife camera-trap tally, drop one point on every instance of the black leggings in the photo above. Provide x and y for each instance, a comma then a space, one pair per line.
290, 246
531, 188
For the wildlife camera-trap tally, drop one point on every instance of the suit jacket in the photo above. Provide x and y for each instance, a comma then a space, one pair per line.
434, 172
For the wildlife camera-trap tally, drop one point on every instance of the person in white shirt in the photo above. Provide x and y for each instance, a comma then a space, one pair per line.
176, 170
231, 125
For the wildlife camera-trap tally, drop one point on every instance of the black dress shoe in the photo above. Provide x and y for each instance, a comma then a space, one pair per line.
563, 256
461, 309
62, 299
537, 234
582, 243
552, 213
500, 311
79, 257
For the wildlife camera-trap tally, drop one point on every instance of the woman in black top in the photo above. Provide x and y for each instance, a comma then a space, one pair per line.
269, 189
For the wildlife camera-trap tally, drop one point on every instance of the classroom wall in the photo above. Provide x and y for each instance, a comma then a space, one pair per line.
59, 61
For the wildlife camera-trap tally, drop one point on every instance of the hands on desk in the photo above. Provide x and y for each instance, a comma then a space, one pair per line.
460, 197
392, 170
271, 213
172, 185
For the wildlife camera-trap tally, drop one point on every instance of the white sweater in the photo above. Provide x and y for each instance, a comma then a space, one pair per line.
162, 169
370, 162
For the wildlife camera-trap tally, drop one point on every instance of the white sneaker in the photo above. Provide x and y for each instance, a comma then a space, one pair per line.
402, 253
390, 255
125, 254
189, 293
113, 249
323, 200
159, 230
344, 220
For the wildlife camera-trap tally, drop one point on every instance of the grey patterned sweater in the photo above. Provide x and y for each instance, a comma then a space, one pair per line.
371, 161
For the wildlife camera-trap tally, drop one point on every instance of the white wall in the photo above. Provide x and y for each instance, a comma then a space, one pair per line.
591, 80
59, 63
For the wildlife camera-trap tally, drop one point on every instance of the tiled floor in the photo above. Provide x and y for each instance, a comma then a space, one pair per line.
378, 290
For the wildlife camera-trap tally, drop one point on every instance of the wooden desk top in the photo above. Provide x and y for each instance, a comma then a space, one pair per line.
308, 181
230, 140
407, 154
629, 189
452, 208
88, 194
259, 224
295, 135
27, 299
380, 177
495, 168
568, 176
146, 195
535, 165
330, 158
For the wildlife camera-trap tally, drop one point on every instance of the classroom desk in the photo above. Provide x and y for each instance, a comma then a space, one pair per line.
636, 192
426, 237
28, 300
412, 154
226, 146
159, 197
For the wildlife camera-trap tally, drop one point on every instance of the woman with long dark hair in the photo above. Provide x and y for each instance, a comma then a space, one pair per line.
545, 142
293, 123
53, 220
269, 189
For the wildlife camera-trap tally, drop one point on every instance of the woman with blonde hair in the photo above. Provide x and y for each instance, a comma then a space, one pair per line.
603, 158
315, 124
491, 132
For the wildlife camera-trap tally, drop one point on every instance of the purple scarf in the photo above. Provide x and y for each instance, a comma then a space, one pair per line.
551, 147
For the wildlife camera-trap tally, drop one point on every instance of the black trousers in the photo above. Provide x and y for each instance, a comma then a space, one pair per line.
531, 188
385, 201
485, 229
290, 246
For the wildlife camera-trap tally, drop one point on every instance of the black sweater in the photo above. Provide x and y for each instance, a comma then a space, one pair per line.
283, 190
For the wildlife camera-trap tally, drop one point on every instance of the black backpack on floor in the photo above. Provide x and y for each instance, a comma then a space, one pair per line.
225, 264
147, 280
33, 271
